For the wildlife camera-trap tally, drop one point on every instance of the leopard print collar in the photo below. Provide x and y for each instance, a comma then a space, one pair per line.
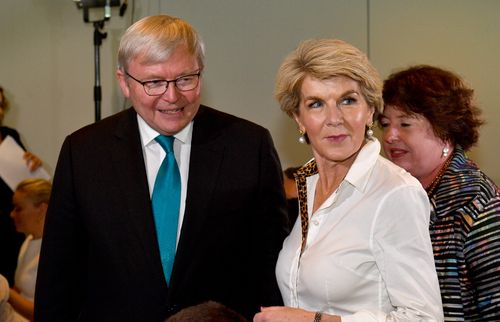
307, 170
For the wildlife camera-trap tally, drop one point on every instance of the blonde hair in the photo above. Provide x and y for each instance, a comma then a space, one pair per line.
155, 37
36, 189
325, 59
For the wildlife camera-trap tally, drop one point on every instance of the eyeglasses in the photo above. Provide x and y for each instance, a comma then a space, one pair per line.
159, 86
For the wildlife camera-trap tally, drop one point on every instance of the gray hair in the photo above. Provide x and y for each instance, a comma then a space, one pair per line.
153, 38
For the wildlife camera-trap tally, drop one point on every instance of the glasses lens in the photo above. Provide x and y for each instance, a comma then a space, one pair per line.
155, 87
187, 83
184, 83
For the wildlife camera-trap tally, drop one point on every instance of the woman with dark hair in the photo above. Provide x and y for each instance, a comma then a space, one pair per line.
430, 120
10, 240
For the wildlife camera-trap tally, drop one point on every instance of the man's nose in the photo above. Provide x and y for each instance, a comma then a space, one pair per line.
171, 95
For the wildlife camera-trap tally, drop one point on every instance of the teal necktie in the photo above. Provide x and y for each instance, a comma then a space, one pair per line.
166, 199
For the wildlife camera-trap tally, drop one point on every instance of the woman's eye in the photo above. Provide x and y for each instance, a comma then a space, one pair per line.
315, 104
405, 124
347, 101
383, 124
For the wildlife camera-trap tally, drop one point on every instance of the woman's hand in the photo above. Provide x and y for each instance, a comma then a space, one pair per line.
283, 313
32, 161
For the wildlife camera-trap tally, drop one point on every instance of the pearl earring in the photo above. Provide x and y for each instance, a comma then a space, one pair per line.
302, 138
369, 132
446, 151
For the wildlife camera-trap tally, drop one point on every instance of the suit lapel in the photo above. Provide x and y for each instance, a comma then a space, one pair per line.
204, 169
131, 179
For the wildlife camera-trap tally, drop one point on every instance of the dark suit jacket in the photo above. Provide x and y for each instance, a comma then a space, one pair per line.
100, 259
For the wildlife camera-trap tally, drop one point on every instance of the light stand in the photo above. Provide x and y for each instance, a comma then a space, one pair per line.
99, 35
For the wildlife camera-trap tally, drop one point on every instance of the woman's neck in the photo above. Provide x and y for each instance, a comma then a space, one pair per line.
430, 181
329, 180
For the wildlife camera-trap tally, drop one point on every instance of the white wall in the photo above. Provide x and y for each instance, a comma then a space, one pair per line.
47, 57
247, 41
47, 69
460, 35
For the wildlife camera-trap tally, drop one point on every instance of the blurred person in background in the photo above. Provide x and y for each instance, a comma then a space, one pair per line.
207, 312
30, 202
10, 240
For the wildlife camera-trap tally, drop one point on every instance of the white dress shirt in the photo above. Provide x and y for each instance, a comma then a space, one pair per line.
154, 155
368, 255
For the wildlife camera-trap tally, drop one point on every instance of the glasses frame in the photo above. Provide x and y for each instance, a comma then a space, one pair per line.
144, 83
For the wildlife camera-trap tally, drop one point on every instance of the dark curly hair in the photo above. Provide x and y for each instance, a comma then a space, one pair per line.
210, 311
441, 97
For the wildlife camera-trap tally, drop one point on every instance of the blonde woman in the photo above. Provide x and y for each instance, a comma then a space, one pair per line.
361, 250
30, 201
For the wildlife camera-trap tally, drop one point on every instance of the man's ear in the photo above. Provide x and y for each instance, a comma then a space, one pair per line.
121, 77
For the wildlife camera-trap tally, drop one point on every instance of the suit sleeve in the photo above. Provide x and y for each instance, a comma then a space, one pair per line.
272, 223
61, 272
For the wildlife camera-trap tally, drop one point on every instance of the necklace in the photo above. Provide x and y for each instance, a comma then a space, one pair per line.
432, 187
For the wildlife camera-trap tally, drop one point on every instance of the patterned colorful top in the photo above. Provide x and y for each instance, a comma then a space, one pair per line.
465, 234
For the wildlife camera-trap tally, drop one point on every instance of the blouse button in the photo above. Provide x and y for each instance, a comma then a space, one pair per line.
315, 222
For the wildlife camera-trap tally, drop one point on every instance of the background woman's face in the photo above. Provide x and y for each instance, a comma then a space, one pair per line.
410, 142
25, 214
334, 114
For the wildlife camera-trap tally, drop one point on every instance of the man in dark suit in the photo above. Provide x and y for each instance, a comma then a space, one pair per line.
100, 257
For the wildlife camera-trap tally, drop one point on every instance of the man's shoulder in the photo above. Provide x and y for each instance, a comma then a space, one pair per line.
210, 118
122, 120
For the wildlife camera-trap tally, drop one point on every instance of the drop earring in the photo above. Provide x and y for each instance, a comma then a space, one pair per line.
446, 151
302, 138
369, 132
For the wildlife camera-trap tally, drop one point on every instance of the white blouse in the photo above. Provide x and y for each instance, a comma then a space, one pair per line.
27, 267
368, 255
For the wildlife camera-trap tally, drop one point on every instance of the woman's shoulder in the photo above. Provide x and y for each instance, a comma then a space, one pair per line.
464, 177
392, 175
464, 188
